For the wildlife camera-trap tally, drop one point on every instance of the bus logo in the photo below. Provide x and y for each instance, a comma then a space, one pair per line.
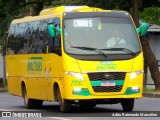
35, 64
108, 76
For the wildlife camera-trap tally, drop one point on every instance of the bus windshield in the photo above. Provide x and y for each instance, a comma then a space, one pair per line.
100, 33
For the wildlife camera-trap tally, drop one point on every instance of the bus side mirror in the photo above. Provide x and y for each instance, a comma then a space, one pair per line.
53, 31
142, 30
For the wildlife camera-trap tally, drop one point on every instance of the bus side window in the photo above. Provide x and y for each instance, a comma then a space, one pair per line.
57, 39
44, 39
11, 40
20, 40
10, 51
56, 46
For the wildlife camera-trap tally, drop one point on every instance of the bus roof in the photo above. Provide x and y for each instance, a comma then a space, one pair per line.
61, 9
58, 10
55, 10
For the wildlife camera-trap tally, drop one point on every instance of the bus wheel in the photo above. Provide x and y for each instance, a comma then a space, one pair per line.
38, 103
29, 103
65, 105
127, 104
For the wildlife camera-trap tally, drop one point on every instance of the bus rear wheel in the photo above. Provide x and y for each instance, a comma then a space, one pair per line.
127, 104
65, 105
29, 103
38, 103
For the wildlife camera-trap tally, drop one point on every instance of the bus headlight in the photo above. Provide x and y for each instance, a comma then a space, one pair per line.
76, 75
135, 74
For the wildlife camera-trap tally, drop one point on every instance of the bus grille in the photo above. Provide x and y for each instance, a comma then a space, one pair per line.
107, 89
103, 76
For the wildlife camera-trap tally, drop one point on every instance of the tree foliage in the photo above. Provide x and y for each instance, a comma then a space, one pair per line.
105, 4
151, 15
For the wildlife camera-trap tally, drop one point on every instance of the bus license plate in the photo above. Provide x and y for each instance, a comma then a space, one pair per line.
108, 83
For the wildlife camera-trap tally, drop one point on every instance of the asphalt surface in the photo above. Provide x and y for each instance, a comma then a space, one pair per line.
50, 110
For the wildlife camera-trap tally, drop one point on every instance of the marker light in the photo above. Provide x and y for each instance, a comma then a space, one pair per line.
135, 88
76, 89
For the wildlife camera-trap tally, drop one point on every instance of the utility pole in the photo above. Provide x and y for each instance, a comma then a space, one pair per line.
2, 66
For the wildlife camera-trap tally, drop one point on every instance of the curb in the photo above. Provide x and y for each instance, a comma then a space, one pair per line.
3, 90
152, 95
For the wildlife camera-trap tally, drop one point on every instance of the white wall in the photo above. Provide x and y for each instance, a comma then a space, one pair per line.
1, 66
154, 42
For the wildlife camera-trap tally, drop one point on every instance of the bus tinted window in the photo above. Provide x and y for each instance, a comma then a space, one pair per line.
30, 37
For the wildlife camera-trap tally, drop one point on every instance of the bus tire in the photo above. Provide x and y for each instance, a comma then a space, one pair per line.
29, 103
38, 103
65, 105
127, 104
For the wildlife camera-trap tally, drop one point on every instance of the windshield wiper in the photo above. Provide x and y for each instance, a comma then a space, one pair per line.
90, 49
120, 49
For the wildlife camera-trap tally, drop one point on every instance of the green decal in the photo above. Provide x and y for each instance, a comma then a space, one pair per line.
76, 83
35, 64
96, 83
106, 65
130, 91
99, 82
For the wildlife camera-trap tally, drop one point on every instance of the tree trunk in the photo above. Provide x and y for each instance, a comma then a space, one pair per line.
151, 62
135, 12
36, 9
149, 57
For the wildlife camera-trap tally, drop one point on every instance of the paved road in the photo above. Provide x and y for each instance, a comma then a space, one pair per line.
51, 109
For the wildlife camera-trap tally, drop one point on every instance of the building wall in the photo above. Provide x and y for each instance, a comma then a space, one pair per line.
1, 66
154, 42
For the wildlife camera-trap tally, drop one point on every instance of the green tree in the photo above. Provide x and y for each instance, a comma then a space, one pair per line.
152, 16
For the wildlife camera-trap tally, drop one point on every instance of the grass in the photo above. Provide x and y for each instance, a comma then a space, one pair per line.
2, 88
150, 90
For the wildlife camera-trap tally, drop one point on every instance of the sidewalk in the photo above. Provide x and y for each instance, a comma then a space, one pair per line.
3, 90
151, 94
